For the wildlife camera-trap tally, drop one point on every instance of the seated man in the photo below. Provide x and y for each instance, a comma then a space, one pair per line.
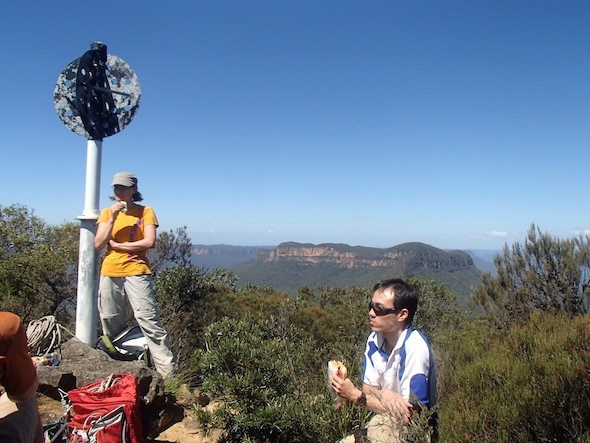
20, 421
398, 374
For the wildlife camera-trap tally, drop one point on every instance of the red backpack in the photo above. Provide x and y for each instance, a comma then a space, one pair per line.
106, 411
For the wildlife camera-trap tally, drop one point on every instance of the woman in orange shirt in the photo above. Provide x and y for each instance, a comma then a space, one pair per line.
129, 231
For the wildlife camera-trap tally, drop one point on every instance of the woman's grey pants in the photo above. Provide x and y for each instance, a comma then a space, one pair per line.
140, 292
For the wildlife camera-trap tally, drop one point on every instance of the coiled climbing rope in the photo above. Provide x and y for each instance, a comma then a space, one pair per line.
43, 335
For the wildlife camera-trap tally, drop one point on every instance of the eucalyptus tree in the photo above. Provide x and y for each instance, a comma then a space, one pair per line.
545, 273
38, 263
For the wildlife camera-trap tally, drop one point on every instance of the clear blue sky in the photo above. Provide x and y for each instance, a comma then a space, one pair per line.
373, 123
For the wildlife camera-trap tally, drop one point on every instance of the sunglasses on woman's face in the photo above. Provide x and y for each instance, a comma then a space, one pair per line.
381, 311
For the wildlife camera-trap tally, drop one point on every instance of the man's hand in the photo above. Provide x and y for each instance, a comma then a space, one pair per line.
344, 388
378, 400
395, 405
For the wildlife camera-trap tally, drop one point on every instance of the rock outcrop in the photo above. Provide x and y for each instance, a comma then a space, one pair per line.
406, 256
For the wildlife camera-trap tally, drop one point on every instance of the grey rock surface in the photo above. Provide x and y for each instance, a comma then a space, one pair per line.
81, 365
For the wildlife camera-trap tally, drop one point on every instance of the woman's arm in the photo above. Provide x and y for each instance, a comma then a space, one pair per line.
103, 233
104, 229
147, 242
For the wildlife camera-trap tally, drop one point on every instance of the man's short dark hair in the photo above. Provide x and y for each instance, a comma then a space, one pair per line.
404, 295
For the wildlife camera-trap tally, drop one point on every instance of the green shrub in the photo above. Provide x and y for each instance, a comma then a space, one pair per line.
265, 360
271, 380
185, 296
531, 383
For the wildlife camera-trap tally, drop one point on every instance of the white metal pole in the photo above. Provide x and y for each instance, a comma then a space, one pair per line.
86, 306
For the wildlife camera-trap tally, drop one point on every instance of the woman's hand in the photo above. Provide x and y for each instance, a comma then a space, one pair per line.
114, 245
117, 207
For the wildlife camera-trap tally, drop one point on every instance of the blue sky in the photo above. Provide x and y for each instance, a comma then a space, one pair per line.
373, 123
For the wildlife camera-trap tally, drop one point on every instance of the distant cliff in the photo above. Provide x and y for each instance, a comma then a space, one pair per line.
290, 266
409, 256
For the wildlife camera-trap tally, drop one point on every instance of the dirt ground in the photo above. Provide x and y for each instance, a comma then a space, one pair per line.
184, 431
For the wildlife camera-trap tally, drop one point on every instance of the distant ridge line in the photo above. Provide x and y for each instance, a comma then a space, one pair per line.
292, 265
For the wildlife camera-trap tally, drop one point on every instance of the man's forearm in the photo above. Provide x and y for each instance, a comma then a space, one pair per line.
384, 401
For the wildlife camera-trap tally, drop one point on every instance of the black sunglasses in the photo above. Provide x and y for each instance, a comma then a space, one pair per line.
382, 311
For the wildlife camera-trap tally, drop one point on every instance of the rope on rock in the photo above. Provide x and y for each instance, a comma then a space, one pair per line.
43, 336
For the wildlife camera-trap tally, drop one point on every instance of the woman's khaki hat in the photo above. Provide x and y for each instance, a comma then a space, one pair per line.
124, 179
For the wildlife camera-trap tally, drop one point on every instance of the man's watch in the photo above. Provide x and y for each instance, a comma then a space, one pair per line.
362, 400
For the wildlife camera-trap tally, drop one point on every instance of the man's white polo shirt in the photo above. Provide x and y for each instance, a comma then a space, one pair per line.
409, 368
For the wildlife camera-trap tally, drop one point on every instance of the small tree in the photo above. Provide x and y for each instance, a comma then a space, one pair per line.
184, 293
543, 274
437, 312
38, 264
173, 247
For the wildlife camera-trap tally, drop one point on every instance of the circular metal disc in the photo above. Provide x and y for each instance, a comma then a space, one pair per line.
124, 89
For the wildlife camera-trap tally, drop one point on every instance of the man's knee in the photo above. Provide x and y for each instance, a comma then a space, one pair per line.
384, 429
20, 422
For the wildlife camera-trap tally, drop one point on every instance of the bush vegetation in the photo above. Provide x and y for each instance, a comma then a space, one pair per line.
530, 383
518, 373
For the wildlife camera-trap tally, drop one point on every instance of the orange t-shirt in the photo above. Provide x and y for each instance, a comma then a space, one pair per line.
128, 226
17, 372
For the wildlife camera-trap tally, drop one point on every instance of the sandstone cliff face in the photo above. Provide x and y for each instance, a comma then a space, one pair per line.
325, 254
408, 256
